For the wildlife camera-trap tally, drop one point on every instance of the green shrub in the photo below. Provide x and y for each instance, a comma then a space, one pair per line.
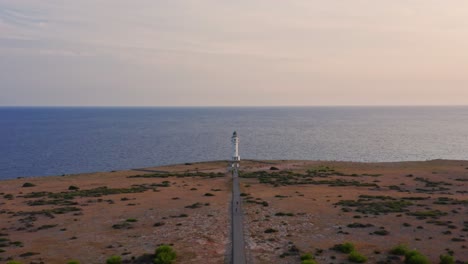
430, 213
417, 259
73, 188
344, 248
13, 262
165, 255
446, 259
114, 260
307, 256
357, 257
400, 250
73, 262
28, 184
131, 220
414, 257
308, 261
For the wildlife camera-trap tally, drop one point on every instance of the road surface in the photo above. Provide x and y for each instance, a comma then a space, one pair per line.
238, 248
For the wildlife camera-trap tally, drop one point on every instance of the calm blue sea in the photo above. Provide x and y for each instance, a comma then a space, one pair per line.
54, 141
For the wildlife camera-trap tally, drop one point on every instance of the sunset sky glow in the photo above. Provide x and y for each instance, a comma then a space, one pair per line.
233, 53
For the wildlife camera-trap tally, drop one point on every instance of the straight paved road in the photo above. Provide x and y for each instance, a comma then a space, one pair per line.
238, 247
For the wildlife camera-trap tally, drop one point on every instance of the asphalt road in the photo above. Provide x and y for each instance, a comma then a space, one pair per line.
238, 247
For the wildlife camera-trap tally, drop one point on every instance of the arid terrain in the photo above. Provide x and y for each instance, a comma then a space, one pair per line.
291, 208
130, 216
308, 207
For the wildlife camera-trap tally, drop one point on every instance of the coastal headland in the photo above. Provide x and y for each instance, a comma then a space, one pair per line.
290, 208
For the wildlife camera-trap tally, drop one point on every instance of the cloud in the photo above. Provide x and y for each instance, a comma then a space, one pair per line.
174, 49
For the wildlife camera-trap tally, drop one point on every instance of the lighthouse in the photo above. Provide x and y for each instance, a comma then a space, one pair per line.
235, 150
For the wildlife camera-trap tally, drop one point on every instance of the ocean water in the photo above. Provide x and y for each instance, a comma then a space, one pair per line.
54, 141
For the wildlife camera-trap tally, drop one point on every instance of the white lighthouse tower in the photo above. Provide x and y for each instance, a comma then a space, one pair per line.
235, 150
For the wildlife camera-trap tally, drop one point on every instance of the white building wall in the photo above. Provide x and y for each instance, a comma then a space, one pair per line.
235, 147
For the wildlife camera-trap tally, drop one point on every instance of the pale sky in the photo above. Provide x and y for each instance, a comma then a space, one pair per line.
233, 53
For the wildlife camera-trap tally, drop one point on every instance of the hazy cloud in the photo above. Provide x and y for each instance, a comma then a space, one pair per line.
257, 52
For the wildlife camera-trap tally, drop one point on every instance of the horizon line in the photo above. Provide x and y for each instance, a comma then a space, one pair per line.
226, 106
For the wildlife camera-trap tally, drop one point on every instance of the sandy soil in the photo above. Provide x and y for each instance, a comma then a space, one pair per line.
318, 224
97, 227
88, 235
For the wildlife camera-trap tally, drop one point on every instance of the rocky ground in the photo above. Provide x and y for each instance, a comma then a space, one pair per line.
291, 208
309, 207
116, 213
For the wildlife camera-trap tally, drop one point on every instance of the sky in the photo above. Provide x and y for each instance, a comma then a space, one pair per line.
233, 53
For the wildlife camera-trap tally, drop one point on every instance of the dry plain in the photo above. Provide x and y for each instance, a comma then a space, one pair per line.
291, 208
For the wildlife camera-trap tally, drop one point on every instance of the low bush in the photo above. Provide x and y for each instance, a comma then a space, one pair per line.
446, 259
73, 262
357, 257
17, 243
13, 262
28, 184
114, 260
430, 213
308, 261
400, 250
284, 214
165, 254
124, 225
73, 188
359, 225
414, 257
46, 227
194, 206
270, 230
307, 256
381, 206
382, 232
344, 248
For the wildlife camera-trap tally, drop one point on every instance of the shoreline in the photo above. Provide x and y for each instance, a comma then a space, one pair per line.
216, 161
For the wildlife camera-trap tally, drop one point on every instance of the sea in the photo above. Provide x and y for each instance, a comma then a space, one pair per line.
39, 141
